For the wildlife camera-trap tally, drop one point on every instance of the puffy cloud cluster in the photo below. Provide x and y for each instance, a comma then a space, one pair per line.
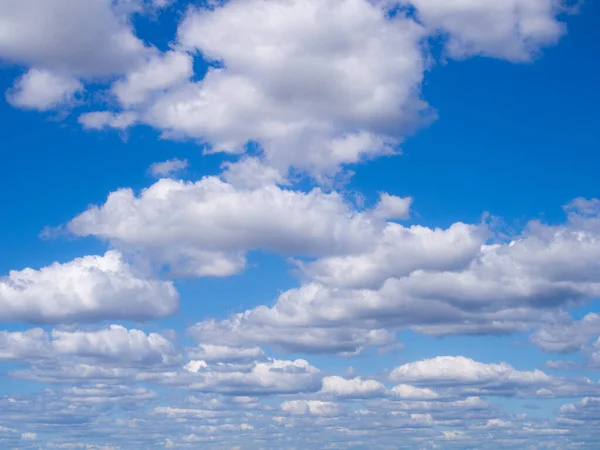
76, 355
318, 84
291, 410
206, 227
436, 282
88, 289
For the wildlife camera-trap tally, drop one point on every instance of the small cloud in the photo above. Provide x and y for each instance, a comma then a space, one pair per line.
168, 168
28, 436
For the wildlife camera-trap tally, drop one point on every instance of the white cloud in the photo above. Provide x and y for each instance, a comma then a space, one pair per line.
72, 355
159, 73
353, 388
454, 284
391, 207
251, 173
205, 228
408, 392
88, 289
115, 343
272, 376
318, 84
29, 436
310, 407
43, 90
398, 252
508, 29
456, 370
105, 119
24, 344
77, 37
567, 335
168, 168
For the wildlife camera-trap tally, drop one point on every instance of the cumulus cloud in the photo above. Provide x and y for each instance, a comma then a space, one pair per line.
310, 407
206, 227
451, 282
566, 335
266, 377
157, 74
43, 90
451, 370
299, 73
78, 37
88, 289
510, 29
408, 392
251, 172
353, 388
81, 356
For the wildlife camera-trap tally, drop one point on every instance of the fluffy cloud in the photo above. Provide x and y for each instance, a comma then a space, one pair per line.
105, 119
456, 370
158, 73
78, 37
408, 392
354, 388
566, 335
509, 29
43, 90
88, 289
399, 252
301, 67
115, 343
269, 377
295, 76
206, 227
451, 282
456, 376
75, 356
310, 407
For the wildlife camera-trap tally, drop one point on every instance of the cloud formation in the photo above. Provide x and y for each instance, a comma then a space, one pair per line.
88, 289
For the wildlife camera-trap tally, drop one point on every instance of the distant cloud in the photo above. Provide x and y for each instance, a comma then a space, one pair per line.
168, 168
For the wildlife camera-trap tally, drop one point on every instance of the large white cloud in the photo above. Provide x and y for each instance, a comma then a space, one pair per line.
206, 227
114, 345
268, 377
460, 370
79, 37
88, 289
318, 84
353, 388
450, 283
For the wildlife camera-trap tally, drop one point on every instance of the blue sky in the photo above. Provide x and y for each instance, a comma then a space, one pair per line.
299, 224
